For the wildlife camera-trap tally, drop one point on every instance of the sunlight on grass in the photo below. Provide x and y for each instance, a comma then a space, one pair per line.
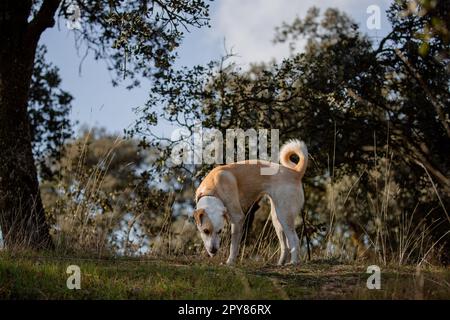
44, 277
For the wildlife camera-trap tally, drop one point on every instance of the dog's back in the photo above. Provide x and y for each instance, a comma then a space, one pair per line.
250, 182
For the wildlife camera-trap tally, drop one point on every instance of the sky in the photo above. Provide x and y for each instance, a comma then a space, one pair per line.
244, 26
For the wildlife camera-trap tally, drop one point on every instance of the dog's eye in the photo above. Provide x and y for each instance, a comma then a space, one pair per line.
206, 231
219, 232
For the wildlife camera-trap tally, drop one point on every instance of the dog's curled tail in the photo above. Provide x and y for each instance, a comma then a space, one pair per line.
298, 148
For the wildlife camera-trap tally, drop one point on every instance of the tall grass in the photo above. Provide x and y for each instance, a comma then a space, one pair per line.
85, 220
391, 235
82, 223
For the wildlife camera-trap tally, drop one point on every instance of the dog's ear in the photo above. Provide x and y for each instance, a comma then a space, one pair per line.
198, 215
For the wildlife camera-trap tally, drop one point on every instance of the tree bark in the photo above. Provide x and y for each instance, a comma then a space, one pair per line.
22, 215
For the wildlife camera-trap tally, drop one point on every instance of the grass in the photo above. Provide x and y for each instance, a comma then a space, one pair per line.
28, 276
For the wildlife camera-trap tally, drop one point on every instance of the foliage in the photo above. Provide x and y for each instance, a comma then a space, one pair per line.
48, 108
374, 114
99, 200
136, 38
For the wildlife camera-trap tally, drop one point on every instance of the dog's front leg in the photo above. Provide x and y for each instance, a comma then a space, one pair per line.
236, 235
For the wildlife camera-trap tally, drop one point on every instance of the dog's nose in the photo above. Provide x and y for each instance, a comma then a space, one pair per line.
213, 250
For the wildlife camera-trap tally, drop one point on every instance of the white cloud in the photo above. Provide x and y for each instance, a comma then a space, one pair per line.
248, 26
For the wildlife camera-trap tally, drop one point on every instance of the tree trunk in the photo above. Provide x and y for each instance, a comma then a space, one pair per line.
22, 215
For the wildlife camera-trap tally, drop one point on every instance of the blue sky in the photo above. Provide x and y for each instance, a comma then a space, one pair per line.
245, 26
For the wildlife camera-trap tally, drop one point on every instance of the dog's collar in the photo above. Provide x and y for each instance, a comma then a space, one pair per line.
198, 198
204, 196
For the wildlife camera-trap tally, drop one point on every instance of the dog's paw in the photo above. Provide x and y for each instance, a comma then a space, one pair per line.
281, 263
230, 262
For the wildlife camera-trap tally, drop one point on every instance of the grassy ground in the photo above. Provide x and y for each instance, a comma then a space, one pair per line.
27, 276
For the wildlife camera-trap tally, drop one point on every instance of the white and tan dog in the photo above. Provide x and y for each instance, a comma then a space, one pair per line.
228, 191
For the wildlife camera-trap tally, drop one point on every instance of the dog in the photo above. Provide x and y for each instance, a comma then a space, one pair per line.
229, 190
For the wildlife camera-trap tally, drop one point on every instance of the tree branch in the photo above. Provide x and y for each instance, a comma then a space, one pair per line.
44, 19
439, 108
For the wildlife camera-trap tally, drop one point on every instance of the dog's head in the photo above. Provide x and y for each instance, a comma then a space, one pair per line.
210, 218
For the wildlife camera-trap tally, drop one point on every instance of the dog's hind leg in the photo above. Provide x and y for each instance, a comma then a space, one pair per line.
292, 239
286, 213
281, 236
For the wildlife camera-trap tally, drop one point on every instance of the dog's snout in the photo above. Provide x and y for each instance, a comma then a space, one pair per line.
213, 250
